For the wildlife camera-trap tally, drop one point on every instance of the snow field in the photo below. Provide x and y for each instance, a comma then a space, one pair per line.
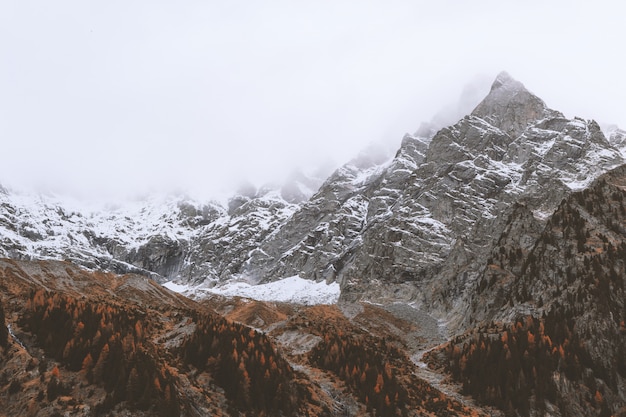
288, 290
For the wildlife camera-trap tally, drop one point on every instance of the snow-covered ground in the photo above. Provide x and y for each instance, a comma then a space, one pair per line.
290, 290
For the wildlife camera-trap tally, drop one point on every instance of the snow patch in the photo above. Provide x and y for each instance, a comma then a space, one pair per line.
579, 184
543, 148
288, 290
172, 286
541, 215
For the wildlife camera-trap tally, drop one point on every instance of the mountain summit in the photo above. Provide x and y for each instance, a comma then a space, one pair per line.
511, 107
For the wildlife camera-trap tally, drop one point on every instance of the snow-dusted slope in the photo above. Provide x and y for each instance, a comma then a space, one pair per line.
115, 238
333, 221
165, 237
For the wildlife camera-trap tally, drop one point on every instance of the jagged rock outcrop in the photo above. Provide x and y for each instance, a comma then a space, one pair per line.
220, 250
324, 229
511, 107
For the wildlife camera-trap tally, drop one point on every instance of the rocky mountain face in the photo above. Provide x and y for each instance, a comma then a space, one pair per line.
421, 226
146, 238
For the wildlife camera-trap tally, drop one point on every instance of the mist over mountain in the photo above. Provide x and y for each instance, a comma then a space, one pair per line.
476, 270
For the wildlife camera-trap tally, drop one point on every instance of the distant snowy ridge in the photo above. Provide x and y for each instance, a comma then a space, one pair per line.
165, 237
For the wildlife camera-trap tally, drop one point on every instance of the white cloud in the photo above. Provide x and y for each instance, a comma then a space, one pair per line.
130, 96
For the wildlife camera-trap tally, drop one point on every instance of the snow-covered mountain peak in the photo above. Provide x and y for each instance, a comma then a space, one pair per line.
504, 80
510, 107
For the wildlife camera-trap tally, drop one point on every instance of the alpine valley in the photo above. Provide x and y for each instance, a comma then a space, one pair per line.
478, 271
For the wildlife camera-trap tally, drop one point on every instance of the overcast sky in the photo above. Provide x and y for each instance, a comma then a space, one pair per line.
109, 97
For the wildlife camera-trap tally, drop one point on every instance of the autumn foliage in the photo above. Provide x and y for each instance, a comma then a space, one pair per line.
374, 369
106, 343
4, 332
512, 366
365, 369
244, 363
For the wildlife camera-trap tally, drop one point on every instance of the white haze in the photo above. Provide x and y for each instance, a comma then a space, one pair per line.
121, 97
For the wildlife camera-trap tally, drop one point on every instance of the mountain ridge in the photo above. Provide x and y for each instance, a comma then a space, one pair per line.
509, 148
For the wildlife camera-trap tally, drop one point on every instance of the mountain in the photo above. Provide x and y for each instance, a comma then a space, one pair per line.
483, 259
420, 222
421, 226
